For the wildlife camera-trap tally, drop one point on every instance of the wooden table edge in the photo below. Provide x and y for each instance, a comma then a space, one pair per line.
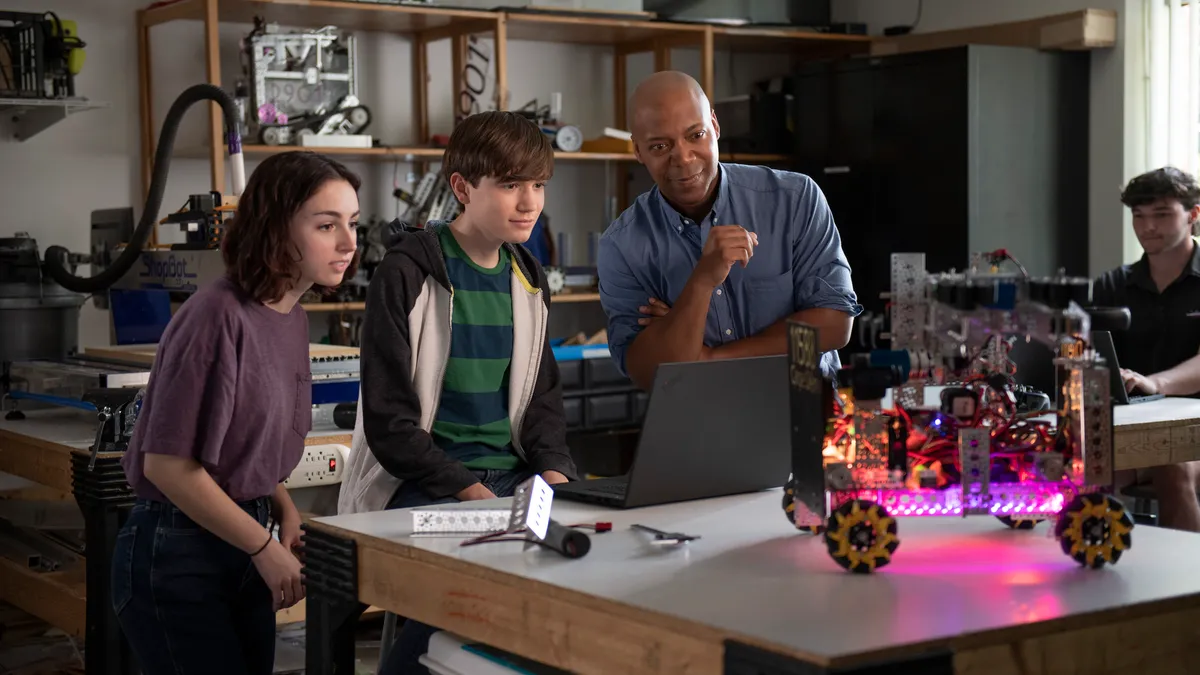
438, 571
450, 572
1107, 621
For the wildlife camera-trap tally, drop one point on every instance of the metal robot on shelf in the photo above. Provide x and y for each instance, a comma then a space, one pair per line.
988, 447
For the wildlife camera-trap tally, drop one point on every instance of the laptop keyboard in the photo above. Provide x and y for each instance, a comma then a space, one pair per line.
615, 488
609, 487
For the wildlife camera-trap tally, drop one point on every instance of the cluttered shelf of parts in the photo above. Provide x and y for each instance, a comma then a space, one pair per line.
590, 26
360, 306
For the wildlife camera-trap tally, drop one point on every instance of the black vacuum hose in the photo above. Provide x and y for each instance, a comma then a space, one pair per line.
56, 264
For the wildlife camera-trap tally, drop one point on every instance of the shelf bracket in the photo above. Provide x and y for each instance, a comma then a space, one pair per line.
23, 119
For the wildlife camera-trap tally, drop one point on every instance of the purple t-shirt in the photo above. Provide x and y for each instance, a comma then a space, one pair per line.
231, 387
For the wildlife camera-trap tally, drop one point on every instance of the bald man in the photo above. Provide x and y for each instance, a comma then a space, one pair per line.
713, 261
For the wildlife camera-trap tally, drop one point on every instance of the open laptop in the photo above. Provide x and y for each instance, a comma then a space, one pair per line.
712, 428
1103, 343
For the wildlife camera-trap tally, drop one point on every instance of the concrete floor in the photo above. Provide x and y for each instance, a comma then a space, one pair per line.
29, 646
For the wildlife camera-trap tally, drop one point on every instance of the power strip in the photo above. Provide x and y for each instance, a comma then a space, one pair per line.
320, 465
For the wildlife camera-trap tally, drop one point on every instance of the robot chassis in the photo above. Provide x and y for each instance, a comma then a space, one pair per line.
301, 84
984, 450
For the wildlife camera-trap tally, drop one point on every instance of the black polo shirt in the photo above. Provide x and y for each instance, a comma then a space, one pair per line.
1165, 327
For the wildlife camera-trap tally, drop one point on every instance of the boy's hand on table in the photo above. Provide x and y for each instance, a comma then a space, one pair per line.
554, 477
474, 492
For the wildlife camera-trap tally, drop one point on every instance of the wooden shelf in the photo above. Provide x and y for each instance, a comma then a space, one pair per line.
575, 297
1080, 30
439, 22
393, 153
58, 598
412, 154
753, 158
626, 33
595, 156
594, 30
298, 613
366, 16
312, 307
767, 40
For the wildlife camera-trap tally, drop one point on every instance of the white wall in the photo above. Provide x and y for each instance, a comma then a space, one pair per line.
1114, 152
52, 182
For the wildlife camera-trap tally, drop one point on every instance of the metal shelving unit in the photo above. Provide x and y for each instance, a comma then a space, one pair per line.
426, 25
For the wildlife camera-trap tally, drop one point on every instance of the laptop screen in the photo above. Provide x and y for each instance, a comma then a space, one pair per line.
1103, 343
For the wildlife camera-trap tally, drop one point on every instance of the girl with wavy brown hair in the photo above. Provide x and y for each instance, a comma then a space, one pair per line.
198, 572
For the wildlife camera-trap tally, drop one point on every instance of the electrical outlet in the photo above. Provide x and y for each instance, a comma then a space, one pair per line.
320, 465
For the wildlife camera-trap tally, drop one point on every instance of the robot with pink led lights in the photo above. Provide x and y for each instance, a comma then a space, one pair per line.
870, 448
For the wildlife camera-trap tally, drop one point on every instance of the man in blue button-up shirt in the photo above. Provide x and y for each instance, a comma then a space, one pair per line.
733, 251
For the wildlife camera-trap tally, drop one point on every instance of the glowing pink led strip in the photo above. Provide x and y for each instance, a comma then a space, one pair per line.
1021, 500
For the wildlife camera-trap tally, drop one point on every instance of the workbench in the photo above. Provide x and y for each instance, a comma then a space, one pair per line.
755, 596
47, 448
1156, 433
40, 449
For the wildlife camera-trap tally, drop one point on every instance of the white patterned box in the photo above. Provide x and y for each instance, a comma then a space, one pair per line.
447, 520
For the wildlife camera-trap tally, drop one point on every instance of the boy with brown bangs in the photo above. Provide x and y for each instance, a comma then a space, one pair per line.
460, 397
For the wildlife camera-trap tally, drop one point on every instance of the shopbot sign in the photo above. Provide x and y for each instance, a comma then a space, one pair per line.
176, 270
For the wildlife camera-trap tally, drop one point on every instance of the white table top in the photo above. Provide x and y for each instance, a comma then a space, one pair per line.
752, 574
1166, 411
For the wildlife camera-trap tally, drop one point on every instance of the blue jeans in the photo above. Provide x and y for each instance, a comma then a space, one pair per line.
187, 601
413, 638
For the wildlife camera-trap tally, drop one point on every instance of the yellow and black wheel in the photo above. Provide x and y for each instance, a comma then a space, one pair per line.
861, 536
789, 506
1019, 523
1094, 529
789, 509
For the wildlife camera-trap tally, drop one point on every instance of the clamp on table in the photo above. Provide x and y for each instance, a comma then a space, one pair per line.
116, 412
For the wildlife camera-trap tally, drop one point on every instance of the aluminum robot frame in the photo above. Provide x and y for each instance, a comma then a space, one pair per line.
870, 449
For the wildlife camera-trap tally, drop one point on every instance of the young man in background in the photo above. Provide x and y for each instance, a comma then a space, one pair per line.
1160, 353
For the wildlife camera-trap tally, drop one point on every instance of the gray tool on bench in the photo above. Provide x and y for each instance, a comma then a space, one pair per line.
661, 537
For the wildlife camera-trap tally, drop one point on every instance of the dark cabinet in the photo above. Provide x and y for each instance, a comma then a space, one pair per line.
596, 396
949, 152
